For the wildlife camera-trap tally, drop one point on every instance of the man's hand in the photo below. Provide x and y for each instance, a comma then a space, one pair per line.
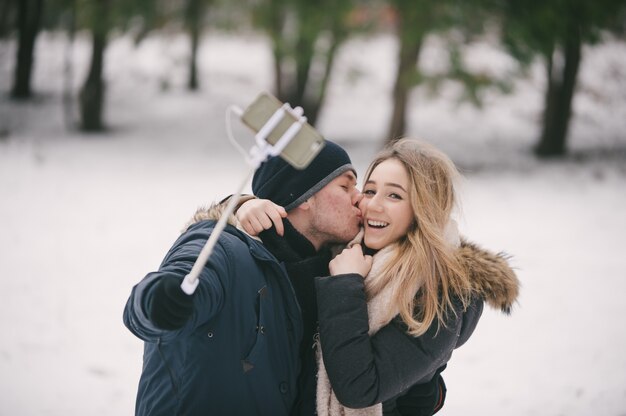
169, 307
257, 215
351, 260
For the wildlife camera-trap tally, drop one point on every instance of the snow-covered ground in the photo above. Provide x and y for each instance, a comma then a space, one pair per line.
83, 218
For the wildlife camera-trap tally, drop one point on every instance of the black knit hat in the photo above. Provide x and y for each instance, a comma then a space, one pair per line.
285, 185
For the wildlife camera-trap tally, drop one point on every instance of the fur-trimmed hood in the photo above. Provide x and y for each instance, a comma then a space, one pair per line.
491, 276
214, 212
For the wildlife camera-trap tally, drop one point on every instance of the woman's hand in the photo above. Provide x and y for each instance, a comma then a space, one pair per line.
351, 260
257, 215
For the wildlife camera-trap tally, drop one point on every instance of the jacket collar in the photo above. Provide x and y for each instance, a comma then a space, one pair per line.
291, 247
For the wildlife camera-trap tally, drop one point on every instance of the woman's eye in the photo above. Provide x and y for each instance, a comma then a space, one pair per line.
395, 196
368, 192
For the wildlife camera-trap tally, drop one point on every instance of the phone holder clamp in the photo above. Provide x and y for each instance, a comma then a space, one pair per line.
262, 150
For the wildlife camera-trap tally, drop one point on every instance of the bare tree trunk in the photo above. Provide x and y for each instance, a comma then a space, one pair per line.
29, 19
309, 26
314, 107
92, 93
409, 50
559, 97
278, 71
275, 25
194, 16
305, 48
69, 109
293, 60
193, 61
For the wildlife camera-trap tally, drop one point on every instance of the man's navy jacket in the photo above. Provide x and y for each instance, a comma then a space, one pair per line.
238, 354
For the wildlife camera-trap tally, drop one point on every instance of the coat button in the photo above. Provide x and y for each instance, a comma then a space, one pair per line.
210, 335
283, 387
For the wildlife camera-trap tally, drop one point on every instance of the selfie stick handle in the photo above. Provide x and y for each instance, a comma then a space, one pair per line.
259, 152
190, 282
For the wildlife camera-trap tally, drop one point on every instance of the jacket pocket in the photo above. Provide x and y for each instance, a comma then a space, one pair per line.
260, 344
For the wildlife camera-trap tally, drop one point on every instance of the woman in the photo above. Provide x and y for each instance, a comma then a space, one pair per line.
423, 291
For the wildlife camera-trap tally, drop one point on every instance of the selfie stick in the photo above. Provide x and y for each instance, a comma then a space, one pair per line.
257, 155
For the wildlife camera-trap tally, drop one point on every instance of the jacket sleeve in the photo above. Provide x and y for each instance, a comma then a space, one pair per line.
422, 399
208, 297
363, 369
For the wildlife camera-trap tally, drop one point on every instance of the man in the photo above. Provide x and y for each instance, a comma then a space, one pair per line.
241, 344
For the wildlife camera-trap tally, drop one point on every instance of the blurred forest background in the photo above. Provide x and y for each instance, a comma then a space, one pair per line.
305, 37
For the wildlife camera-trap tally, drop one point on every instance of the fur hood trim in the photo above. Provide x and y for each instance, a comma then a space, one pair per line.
491, 276
214, 212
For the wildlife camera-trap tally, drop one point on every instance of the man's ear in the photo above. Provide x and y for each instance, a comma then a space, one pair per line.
305, 206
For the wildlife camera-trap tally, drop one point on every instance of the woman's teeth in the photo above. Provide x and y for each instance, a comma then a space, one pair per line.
377, 224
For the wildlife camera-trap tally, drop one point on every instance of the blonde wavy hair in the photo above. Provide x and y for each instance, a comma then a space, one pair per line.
423, 258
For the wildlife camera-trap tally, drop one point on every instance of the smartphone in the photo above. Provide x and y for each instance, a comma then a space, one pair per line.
305, 145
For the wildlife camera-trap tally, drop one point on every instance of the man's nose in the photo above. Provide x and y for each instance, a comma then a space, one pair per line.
356, 197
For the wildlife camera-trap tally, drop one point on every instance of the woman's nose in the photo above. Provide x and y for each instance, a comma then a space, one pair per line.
374, 203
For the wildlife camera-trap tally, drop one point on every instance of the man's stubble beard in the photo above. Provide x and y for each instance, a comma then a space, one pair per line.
319, 233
